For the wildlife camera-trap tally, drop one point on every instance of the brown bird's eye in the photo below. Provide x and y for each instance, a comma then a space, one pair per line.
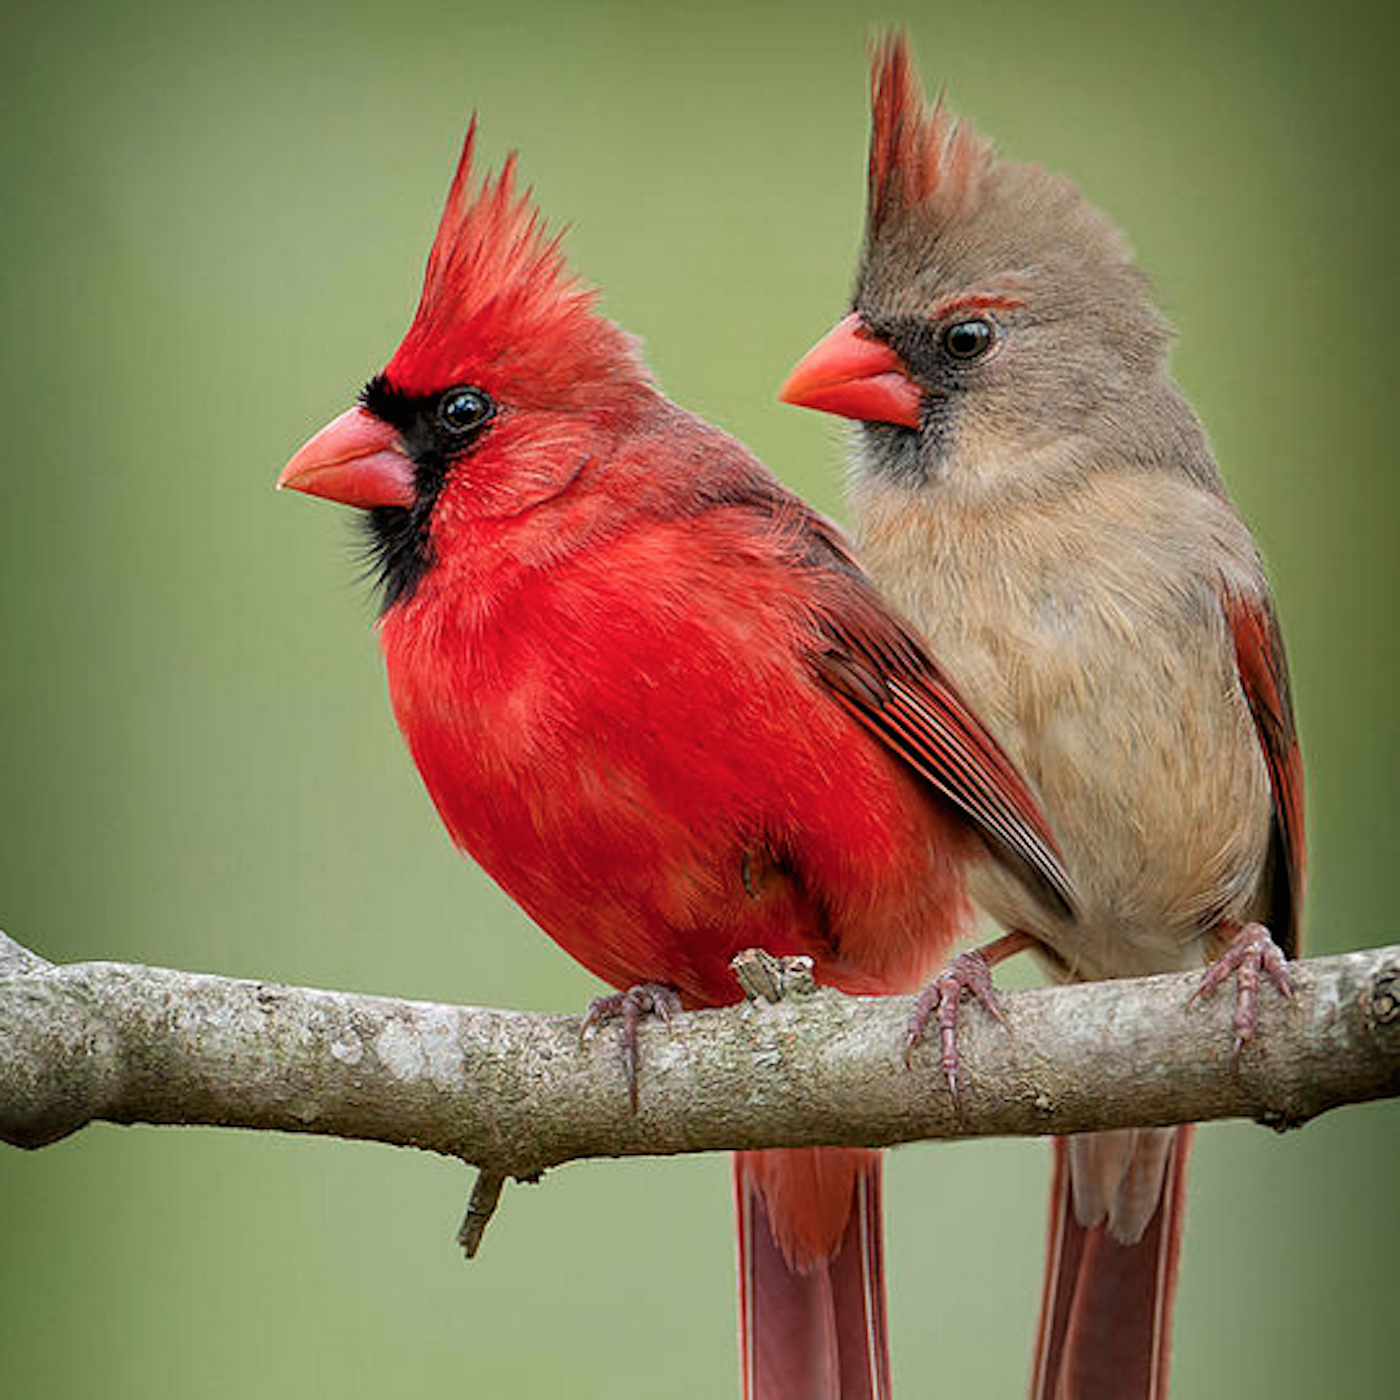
464, 408
968, 339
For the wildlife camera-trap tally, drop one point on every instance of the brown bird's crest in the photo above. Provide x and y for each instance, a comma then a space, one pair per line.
918, 154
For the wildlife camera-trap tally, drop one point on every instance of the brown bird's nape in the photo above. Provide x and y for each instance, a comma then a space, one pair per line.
1031, 487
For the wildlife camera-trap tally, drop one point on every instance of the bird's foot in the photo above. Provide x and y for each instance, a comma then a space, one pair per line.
1250, 951
968, 973
649, 998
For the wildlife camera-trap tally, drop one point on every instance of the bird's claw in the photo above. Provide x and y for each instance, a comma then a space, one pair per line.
648, 998
1251, 950
940, 1000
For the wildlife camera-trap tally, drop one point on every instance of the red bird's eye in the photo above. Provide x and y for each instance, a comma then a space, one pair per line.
464, 408
967, 340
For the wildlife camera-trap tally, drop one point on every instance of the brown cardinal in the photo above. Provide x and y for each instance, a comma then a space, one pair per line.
1031, 487
653, 695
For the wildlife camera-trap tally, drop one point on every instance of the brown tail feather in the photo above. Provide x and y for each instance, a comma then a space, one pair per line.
1105, 1318
815, 1330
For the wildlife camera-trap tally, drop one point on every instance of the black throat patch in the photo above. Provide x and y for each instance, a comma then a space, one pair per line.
398, 540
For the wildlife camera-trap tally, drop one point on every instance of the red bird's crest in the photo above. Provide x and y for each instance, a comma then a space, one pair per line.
918, 154
500, 306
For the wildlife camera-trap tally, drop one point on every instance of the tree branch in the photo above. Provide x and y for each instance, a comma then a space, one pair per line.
516, 1093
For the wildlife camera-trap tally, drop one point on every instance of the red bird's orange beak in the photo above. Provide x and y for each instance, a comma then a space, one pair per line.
356, 460
851, 373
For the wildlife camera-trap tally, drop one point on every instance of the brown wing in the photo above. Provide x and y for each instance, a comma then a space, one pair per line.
884, 674
1264, 678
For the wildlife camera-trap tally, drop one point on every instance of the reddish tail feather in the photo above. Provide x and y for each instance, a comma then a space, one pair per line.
811, 1275
1105, 1319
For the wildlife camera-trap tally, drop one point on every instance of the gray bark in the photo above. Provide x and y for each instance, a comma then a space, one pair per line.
516, 1093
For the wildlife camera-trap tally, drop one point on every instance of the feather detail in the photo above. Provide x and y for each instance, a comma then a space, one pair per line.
1263, 670
885, 676
498, 293
811, 1310
1106, 1312
919, 155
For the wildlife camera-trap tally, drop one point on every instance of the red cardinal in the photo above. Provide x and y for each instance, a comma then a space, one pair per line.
1032, 488
653, 695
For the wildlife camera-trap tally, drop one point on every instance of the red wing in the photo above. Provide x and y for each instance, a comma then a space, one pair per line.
879, 668
1264, 678
884, 674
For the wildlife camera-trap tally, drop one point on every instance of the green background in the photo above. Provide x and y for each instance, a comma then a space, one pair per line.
214, 222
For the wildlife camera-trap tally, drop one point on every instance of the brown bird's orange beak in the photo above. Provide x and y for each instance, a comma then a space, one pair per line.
356, 460
851, 373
